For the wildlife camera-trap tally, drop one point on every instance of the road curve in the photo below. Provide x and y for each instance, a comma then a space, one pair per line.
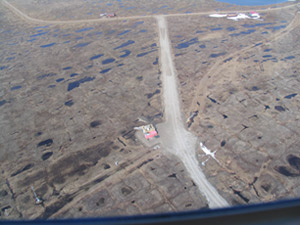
35, 20
174, 137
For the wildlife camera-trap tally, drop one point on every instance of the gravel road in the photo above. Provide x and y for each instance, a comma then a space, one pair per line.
174, 137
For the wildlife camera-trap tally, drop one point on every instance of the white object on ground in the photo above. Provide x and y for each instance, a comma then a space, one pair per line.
238, 17
156, 147
208, 152
218, 15
203, 163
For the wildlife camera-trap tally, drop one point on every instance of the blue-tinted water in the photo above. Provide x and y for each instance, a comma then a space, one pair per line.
230, 28
59, 80
217, 28
146, 53
252, 2
84, 29
109, 60
46, 75
48, 45
137, 23
290, 96
67, 68
129, 8
105, 70
77, 83
10, 58
125, 44
32, 40
39, 34
227, 60
243, 32
2, 102
95, 33
289, 57
126, 53
96, 56
187, 44
16, 87
276, 27
41, 27
217, 54
124, 32
69, 103
256, 25
81, 45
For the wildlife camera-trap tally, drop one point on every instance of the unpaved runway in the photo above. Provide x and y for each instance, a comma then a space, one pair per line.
174, 137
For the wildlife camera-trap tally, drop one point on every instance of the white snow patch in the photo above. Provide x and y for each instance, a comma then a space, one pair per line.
208, 152
218, 15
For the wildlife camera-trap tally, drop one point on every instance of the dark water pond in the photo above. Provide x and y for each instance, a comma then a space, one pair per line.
105, 70
126, 53
129, 42
77, 83
48, 45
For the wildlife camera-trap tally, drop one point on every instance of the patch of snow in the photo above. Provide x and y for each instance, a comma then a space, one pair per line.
208, 152
217, 15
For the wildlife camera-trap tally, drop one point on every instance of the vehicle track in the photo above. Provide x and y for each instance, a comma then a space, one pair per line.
218, 66
174, 137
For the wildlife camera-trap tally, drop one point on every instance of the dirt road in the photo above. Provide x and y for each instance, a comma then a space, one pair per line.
219, 65
174, 137
39, 21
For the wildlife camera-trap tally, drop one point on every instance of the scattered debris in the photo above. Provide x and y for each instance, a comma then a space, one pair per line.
37, 199
107, 15
203, 163
156, 147
190, 120
116, 163
7, 210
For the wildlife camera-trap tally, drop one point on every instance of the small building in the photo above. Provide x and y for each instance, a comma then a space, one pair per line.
110, 15
254, 15
149, 131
